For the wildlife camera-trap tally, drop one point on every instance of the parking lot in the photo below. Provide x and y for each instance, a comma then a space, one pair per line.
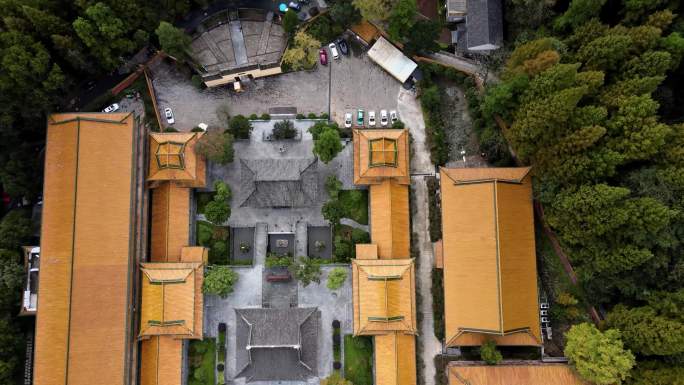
344, 85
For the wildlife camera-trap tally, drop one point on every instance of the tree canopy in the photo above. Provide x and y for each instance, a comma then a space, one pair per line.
219, 280
328, 145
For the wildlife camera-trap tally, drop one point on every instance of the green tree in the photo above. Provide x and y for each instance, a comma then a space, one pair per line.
173, 40
328, 145
333, 211
45, 23
336, 278
216, 146
219, 280
307, 270
374, 10
333, 186
284, 130
657, 373
579, 12
422, 38
598, 357
240, 127
646, 332
344, 13
218, 210
401, 19
290, 21
304, 53
15, 229
104, 34
605, 53
489, 354
674, 45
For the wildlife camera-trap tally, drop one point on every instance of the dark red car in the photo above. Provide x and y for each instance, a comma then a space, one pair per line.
323, 54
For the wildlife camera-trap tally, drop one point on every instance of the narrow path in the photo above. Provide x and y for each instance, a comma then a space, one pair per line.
411, 114
352, 223
430, 346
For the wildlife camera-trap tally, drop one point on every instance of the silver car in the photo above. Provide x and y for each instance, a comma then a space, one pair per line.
169, 115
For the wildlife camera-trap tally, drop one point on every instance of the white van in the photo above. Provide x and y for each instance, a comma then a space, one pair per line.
333, 51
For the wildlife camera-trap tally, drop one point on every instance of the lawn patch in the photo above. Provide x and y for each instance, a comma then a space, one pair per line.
201, 362
355, 203
358, 359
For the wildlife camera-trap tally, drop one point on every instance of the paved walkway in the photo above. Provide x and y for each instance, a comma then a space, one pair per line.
430, 346
238, 40
352, 223
411, 114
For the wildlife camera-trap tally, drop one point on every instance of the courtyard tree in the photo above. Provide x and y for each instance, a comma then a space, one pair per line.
336, 278
402, 18
344, 13
219, 280
307, 270
240, 127
218, 210
422, 38
284, 130
598, 356
216, 146
328, 145
374, 10
304, 52
290, 21
15, 228
173, 40
489, 354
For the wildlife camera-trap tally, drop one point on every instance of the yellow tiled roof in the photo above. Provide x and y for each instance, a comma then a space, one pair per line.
525, 373
170, 222
389, 218
490, 276
173, 158
384, 298
161, 361
381, 154
83, 322
395, 359
169, 293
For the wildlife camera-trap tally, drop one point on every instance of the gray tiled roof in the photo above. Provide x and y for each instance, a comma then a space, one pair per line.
278, 182
270, 333
484, 23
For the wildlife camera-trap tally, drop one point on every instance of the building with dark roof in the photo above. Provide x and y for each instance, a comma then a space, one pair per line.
278, 182
483, 27
277, 344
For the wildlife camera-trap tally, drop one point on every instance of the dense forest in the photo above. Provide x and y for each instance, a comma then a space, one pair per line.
582, 95
50, 50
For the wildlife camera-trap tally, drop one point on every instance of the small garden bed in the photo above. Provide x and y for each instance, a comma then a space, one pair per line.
221, 364
355, 203
217, 239
201, 362
337, 349
358, 359
346, 238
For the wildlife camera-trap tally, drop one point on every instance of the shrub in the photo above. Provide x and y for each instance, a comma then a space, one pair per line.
336, 340
325, 115
265, 116
170, 129
312, 115
219, 280
217, 211
196, 81
336, 324
398, 125
274, 260
307, 270
284, 130
489, 354
253, 117
222, 327
216, 146
301, 116
343, 249
220, 367
219, 248
337, 366
336, 278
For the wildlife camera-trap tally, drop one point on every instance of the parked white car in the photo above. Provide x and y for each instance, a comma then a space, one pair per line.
333, 51
383, 118
393, 116
371, 118
347, 120
114, 107
169, 115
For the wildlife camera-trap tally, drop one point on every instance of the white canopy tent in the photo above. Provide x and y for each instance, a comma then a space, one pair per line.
392, 59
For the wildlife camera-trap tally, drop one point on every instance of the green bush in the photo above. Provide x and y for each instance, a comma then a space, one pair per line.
197, 82
265, 116
274, 260
253, 117
301, 116
489, 354
438, 302
435, 213
219, 280
217, 211
240, 126
170, 129
284, 130
312, 115
336, 278
324, 115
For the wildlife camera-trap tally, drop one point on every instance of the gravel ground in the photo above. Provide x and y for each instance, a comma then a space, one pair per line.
305, 90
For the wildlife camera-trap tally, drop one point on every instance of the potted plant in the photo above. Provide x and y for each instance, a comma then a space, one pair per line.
244, 247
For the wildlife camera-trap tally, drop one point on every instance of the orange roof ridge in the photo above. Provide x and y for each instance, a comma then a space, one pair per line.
486, 174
